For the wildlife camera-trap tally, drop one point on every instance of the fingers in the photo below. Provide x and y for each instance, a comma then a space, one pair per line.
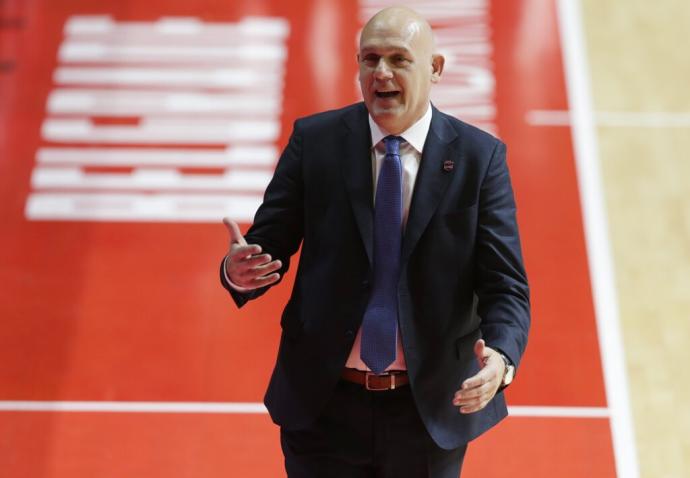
247, 268
473, 399
256, 277
234, 230
256, 260
239, 253
265, 280
261, 270
478, 390
474, 407
254, 267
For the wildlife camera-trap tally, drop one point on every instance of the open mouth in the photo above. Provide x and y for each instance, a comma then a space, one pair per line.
386, 94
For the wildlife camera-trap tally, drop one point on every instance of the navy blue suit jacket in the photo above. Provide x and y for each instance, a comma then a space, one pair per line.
462, 275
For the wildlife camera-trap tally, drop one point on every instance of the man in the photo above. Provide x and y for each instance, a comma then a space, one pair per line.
410, 308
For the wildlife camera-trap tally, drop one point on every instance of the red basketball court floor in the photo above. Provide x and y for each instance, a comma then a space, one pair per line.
130, 128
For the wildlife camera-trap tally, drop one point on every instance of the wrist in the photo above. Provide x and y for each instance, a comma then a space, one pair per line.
508, 371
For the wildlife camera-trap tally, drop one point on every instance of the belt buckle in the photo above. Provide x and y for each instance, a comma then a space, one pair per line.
368, 386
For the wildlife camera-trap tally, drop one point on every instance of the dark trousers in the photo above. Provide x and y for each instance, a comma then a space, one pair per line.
368, 434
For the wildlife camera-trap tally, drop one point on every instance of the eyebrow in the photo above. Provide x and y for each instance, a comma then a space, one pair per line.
388, 49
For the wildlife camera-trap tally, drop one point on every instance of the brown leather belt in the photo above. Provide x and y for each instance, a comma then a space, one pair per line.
377, 383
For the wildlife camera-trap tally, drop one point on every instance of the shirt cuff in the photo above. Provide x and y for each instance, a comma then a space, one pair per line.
231, 283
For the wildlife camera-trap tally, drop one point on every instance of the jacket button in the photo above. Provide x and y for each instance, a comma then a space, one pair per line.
365, 284
349, 334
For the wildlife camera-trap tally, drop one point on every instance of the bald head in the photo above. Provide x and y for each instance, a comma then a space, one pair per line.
411, 25
397, 66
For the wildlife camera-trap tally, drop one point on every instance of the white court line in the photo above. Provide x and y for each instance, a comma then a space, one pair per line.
158, 179
596, 235
157, 130
249, 155
663, 119
621, 119
559, 412
69, 101
110, 207
105, 25
77, 51
249, 407
548, 118
266, 77
133, 407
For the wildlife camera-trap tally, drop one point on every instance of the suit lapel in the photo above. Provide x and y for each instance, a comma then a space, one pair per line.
436, 169
431, 183
357, 172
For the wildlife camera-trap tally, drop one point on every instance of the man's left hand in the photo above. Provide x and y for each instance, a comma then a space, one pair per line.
477, 391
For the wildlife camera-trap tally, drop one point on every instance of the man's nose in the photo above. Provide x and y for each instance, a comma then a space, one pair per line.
382, 71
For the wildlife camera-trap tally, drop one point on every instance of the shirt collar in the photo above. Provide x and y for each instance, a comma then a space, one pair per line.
415, 135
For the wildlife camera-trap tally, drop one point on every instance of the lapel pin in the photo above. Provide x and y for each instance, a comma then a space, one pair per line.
448, 166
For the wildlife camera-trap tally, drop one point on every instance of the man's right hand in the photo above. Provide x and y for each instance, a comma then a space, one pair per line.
246, 266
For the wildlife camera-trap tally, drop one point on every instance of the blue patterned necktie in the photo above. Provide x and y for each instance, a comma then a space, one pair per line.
380, 322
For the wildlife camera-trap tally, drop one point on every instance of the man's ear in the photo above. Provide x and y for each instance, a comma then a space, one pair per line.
437, 62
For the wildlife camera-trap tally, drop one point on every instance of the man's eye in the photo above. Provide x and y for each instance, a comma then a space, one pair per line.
399, 60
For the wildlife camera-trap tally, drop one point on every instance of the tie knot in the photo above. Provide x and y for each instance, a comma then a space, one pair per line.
392, 144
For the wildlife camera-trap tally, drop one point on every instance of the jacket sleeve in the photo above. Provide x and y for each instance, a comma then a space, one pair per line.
279, 222
500, 278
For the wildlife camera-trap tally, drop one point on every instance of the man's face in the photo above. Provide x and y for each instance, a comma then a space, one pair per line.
395, 73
